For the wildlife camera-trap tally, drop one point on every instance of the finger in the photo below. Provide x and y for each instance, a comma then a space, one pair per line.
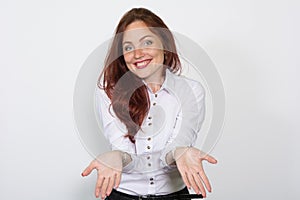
104, 187
185, 179
198, 182
193, 183
210, 159
200, 185
118, 180
110, 186
205, 179
99, 185
89, 169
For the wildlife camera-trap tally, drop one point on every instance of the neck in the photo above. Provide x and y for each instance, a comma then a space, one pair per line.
156, 83
154, 87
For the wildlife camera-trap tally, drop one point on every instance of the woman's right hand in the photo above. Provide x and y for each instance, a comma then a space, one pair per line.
109, 168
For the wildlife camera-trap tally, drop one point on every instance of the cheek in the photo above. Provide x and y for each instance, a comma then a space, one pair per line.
160, 56
128, 60
128, 57
157, 54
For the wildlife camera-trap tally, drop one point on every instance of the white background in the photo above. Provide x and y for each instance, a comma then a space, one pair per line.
254, 44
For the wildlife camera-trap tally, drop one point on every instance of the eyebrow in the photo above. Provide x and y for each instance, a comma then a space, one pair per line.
139, 39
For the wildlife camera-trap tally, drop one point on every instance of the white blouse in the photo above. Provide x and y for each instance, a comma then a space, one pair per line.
175, 117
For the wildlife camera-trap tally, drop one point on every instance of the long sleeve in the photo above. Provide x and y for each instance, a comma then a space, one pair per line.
189, 119
113, 129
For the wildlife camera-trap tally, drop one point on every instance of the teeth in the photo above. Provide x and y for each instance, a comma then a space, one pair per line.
141, 63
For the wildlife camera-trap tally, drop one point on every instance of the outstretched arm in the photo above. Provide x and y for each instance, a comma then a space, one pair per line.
109, 168
179, 150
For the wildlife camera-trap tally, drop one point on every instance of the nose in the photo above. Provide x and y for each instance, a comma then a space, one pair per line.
138, 53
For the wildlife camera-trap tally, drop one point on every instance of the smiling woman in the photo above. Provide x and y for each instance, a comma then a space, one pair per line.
143, 53
145, 105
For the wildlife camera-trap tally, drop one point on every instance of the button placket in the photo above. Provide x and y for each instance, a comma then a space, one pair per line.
149, 120
149, 149
151, 180
148, 140
154, 100
148, 157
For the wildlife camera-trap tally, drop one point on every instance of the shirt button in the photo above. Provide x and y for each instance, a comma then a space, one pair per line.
151, 183
149, 117
154, 104
151, 179
148, 157
150, 124
155, 95
149, 164
149, 138
148, 147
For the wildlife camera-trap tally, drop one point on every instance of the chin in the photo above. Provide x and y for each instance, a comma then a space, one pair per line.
141, 76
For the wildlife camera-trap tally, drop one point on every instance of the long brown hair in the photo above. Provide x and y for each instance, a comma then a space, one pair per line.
128, 94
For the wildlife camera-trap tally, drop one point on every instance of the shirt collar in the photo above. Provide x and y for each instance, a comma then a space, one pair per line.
170, 80
168, 83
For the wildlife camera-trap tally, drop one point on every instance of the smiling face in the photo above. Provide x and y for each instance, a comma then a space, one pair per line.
143, 52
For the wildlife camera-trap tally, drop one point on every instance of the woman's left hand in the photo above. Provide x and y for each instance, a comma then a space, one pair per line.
109, 167
189, 163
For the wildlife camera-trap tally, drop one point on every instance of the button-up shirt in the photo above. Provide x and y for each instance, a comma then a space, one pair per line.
175, 117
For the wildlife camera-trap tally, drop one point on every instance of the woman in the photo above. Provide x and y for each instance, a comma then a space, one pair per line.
150, 115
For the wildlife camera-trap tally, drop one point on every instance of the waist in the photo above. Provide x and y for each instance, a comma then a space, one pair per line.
158, 182
181, 194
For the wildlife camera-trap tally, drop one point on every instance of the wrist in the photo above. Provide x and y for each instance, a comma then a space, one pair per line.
126, 158
178, 152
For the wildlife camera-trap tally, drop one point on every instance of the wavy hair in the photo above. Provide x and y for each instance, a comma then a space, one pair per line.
128, 95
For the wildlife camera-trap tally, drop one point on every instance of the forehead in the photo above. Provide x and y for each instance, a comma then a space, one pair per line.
137, 30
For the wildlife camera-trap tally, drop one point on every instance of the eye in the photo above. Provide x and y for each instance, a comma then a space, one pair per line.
148, 42
128, 48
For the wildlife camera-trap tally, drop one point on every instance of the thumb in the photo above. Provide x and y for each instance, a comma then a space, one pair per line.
210, 159
88, 170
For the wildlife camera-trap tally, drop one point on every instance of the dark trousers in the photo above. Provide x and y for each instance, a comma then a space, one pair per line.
116, 195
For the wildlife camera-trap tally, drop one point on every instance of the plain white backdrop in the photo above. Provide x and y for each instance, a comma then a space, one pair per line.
254, 44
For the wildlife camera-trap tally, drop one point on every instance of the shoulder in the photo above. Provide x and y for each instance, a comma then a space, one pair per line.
101, 95
185, 83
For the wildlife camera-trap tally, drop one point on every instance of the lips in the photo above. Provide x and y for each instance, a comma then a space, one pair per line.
142, 64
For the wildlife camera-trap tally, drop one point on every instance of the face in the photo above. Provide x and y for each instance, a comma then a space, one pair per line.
143, 52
